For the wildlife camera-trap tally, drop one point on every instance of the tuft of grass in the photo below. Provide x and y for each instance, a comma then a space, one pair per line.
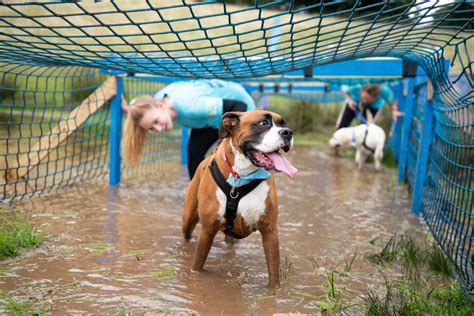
285, 269
451, 301
15, 306
16, 232
437, 261
375, 304
166, 272
119, 312
412, 293
402, 298
333, 298
331, 285
404, 248
348, 264
11, 304
387, 254
410, 252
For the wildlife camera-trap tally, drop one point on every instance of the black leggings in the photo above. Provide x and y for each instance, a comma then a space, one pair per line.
349, 114
201, 139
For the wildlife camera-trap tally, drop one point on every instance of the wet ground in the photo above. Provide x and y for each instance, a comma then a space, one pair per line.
122, 250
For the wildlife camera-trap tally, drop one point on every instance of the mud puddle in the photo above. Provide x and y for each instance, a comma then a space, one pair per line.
121, 250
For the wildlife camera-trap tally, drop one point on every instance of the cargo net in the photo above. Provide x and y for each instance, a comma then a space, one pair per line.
211, 39
54, 127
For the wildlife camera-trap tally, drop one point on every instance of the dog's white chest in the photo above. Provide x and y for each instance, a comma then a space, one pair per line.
251, 207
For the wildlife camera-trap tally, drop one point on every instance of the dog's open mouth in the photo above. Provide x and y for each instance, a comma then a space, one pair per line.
272, 161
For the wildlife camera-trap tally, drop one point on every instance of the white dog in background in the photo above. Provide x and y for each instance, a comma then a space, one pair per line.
368, 139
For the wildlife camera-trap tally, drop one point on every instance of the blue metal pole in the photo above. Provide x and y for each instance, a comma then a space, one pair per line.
115, 134
402, 161
396, 129
422, 158
184, 145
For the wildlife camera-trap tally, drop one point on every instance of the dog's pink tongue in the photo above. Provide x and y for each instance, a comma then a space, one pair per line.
282, 164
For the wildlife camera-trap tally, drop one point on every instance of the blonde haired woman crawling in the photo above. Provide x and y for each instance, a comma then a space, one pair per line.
198, 104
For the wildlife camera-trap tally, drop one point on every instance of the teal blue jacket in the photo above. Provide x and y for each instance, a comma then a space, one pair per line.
199, 103
386, 96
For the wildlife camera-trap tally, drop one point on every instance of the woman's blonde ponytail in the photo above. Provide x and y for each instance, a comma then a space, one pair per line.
134, 136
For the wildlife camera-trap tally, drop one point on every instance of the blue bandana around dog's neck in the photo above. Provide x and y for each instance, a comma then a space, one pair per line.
260, 173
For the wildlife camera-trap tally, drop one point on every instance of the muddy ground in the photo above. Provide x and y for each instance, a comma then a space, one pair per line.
121, 250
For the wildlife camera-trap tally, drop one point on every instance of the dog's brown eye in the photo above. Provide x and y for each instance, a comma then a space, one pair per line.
263, 123
283, 123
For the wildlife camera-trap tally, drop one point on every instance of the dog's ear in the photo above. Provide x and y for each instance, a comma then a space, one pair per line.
344, 136
229, 122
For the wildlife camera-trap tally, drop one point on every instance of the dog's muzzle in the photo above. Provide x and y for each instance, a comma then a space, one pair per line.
286, 134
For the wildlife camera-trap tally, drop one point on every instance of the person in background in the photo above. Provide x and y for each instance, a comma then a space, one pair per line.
198, 104
263, 102
370, 97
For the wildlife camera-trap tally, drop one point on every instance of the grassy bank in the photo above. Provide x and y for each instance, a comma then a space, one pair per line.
416, 279
420, 283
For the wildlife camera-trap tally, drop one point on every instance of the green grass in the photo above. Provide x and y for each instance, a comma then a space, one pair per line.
388, 253
438, 263
17, 232
425, 286
15, 306
411, 252
285, 269
402, 298
166, 272
332, 300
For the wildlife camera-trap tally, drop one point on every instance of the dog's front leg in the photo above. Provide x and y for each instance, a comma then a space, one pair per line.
205, 240
271, 248
357, 157
361, 161
378, 156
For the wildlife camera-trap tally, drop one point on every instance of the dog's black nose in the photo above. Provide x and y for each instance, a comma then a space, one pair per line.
286, 133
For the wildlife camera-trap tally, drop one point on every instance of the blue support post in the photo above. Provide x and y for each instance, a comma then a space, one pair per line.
422, 158
184, 145
115, 134
402, 161
396, 129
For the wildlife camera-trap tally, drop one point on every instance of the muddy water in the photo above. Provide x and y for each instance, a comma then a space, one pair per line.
122, 250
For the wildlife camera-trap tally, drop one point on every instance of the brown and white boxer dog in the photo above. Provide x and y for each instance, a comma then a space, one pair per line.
249, 141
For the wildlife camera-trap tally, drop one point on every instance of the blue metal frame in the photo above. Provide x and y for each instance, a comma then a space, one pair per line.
270, 88
402, 161
368, 68
115, 134
422, 157
396, 128
184, 145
